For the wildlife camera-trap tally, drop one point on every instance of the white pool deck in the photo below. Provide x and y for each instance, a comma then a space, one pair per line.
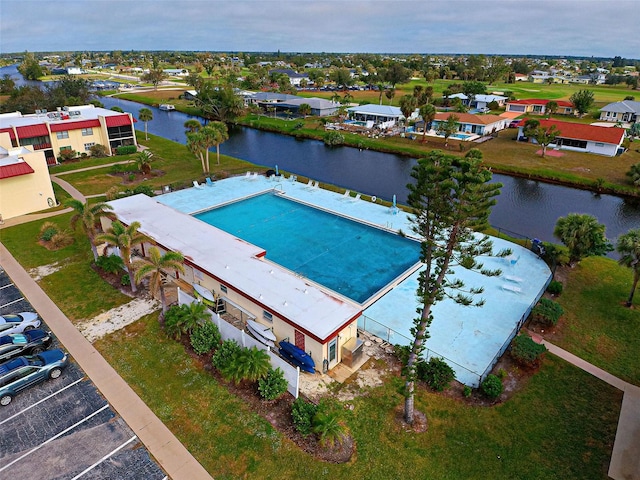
469, 338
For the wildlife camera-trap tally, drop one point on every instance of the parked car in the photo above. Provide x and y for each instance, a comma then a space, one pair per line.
18, 322
23, 372
29, 342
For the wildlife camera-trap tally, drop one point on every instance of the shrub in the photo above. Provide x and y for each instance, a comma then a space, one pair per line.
146, 189
48, 230
126, 150
110, 264
333, 139
250, 364
492, 386
98, 150
205, 338
120, 168
555, 287
225, 354
302, 414
466, 391
526, 352
547, 312
273, 385
61, 240
125, 280
436, 373
328, 424
113, 193
402, 352
67, 154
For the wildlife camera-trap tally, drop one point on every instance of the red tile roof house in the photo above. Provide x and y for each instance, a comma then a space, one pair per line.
579, 137
538, 106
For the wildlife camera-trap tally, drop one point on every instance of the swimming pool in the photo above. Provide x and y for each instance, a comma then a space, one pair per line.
346, 256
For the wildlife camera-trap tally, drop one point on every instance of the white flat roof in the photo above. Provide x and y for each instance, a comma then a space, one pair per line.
85, 112
239, 265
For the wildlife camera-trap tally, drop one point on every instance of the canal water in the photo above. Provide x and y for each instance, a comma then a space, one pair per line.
525, 208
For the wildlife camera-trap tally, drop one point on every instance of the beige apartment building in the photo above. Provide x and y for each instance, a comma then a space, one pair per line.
77, 128
25, 185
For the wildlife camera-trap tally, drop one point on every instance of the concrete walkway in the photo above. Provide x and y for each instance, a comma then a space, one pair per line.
172, 456
625, 458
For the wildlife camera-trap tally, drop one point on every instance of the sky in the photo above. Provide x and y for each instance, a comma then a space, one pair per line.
599, 28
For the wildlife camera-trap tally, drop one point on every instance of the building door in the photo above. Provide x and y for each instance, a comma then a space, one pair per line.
333, 351
299, 340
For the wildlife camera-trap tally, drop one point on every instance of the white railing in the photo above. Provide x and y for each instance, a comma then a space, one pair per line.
229, 332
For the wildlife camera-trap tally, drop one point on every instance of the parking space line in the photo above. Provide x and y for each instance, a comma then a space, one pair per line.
40, 401
11, 303
54, 438
112, 452
5, 286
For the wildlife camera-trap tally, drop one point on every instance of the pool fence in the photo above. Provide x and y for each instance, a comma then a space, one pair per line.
229, 332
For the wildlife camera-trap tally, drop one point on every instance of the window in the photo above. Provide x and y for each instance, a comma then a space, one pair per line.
599, 144
62, 135
267, 316
87, 131
87, 146
223, 289
66, 147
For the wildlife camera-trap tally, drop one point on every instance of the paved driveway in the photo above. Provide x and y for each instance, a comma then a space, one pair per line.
64, 428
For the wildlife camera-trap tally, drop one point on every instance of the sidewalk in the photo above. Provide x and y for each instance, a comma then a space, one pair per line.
172, 456
625, 458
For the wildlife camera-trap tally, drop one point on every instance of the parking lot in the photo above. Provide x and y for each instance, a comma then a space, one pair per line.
64, 428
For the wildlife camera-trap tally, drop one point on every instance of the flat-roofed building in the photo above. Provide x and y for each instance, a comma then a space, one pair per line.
75, 128
25, 185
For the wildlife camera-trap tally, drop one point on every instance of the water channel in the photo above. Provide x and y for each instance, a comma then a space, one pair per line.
524, 208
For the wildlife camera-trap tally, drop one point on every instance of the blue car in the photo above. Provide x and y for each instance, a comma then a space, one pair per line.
23, 372
30, 342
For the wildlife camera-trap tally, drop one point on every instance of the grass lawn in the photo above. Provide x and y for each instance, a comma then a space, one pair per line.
561, 425
179, 168
76, 288
597, 326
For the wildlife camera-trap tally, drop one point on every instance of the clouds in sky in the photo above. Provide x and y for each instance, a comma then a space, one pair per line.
542, 27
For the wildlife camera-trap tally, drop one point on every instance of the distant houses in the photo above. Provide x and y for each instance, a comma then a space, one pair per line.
579, 137
538, 106
626, 111
469, 123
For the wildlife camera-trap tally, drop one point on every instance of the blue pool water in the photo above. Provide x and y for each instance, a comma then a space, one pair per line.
345, 256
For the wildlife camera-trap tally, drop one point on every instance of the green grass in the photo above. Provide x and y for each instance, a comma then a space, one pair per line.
560, 426
87, 162
76, 288
597, 326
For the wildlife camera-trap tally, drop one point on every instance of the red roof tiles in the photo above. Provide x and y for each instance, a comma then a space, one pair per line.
15, 170
581, 131
539, 101
62, 126
118, 121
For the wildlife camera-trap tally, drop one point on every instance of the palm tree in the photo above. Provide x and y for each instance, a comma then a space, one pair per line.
143, 161
192, 125
304, 109
329, 428
145, 115
154, 268
634, 174
195, 314
196, 145
89, 216
215, 133
428, 114
408, 104
390, 93
124, 238
582, 235
629, 248
552, 107
448, 128
248, 364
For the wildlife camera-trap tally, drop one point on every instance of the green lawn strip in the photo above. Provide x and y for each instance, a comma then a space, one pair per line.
88, 162
94, 182
561, 425
76, 288
597, 326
